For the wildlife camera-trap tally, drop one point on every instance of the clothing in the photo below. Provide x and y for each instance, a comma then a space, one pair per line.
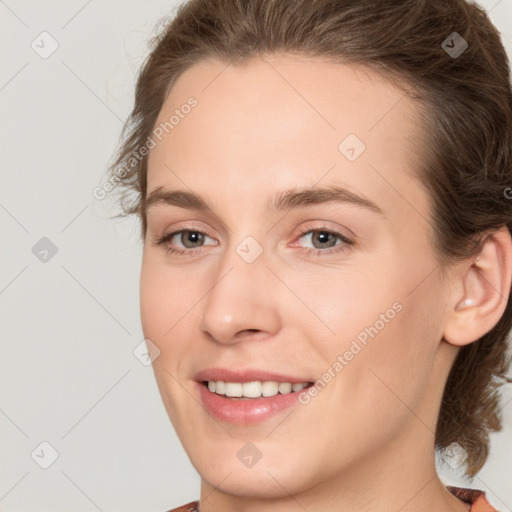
477, 499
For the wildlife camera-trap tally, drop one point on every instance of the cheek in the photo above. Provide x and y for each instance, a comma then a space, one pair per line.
397, 364
151, 304
353, 308
163, 300
384, 340
163, 308
382, 382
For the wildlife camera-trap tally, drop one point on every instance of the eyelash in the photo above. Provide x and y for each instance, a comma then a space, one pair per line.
347, 243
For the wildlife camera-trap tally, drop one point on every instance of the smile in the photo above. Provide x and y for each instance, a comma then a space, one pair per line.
245, 410
256, 389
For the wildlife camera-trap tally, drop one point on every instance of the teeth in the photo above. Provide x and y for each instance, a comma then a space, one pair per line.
269, 388
253, 389
233, 389
284, 387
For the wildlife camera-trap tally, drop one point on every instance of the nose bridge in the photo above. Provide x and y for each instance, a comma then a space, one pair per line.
240, 297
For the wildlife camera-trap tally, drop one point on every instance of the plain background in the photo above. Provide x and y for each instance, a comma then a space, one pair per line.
70, 323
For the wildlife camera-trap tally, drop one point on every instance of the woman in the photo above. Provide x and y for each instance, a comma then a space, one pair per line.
323, 188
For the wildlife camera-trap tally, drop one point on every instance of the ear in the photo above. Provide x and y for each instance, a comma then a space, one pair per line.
481, 292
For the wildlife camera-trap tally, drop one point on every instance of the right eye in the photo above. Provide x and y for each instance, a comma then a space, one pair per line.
185, 237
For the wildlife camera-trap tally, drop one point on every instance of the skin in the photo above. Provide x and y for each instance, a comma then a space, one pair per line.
365, 442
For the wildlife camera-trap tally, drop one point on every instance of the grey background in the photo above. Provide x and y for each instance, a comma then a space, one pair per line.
70, 324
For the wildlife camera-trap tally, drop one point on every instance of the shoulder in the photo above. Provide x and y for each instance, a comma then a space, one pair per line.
475, 497
193, 506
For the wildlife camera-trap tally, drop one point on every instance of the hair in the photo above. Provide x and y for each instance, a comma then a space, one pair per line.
464, 158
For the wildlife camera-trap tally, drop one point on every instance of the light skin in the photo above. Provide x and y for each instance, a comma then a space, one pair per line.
365, 442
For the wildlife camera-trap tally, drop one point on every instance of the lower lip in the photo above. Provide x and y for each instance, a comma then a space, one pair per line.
245, 412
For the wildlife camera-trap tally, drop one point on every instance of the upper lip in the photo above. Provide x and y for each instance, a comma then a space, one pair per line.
248, 375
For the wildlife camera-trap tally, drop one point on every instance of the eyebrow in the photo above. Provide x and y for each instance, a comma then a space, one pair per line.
281, 201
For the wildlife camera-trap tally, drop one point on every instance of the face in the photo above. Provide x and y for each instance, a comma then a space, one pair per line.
336, 286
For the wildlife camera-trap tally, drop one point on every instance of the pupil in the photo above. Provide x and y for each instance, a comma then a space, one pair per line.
193, 237
322, 234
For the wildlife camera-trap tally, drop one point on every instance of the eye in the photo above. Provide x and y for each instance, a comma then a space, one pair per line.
325, 241
188, 237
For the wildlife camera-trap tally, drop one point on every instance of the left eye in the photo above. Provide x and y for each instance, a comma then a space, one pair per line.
326, 240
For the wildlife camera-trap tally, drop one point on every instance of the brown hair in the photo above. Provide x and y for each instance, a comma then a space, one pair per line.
466, 105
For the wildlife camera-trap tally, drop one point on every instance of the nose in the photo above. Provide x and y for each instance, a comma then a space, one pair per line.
243, 301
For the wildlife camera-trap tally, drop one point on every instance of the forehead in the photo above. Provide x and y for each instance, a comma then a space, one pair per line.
288, 120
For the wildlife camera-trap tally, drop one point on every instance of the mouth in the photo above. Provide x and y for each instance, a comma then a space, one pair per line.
250, 395
253, 390
227, 400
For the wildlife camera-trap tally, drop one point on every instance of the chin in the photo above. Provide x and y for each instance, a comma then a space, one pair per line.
274, 475
253, 482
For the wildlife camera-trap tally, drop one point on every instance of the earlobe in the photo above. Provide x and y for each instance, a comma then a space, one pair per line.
485, 283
